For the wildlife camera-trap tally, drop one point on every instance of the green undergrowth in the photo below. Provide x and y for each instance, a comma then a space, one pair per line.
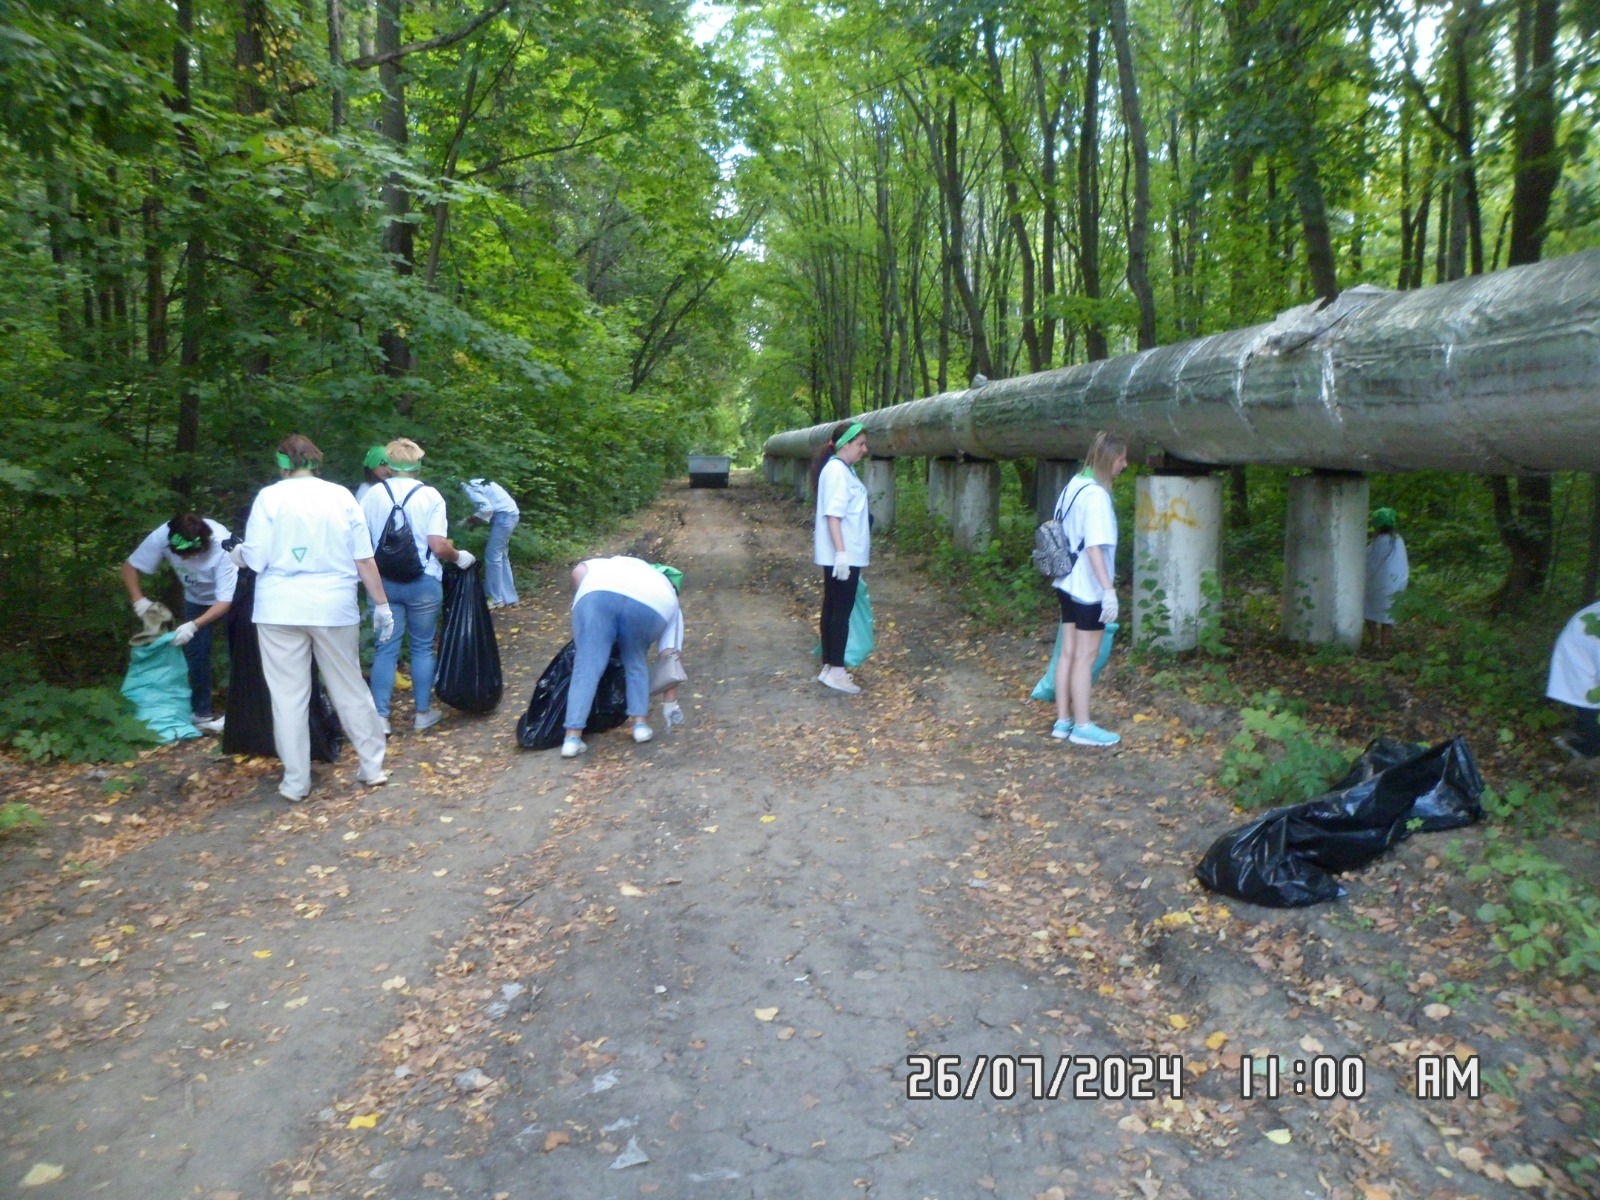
1280, 757
45, 722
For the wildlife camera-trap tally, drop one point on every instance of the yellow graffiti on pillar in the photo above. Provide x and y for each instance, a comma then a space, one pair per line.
1177, 512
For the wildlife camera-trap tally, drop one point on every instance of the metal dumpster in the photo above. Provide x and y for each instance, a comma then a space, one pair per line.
708, 470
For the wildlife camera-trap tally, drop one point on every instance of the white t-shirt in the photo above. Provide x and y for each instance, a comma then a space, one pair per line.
1388, 572
1575, 662
425, 513
302, 540
840, 494
207, 578
488, 498
638, 580
1090, 521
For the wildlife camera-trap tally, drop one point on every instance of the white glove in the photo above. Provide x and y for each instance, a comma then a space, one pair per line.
841, 565
184, 634
383, 622
236, 556
671, 714
142, 605
464, 560
1108, 608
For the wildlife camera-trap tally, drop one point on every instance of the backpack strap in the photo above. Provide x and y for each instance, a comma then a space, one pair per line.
427, 550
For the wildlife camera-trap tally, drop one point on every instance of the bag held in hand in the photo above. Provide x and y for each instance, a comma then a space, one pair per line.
468, 675
666, 672
396, 551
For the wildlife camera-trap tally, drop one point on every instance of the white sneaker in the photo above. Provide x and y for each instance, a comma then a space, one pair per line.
209, 724
572, 746
377, 780
428, 718
840, 683
643, 733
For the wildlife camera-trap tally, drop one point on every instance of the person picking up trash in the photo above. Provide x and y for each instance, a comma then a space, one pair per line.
1388, 574
308, 543
1574, 682
493, 506
192, 546
627, 603
407, 522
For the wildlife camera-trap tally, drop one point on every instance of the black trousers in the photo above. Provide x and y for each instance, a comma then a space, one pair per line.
838, 599
1584, 732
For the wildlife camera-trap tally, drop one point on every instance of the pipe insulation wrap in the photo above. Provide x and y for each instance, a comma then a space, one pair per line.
1499, 374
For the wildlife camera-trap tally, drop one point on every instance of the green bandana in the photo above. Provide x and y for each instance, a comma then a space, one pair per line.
378, 456
181, 544
410, 470
1385, 518
854, 430
284, 462
674, 576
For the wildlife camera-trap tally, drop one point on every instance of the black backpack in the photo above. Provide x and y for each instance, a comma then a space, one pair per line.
396, 551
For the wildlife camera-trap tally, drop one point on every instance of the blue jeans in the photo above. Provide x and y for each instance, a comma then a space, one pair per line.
416, 615
198, 654
599, 621
497, 579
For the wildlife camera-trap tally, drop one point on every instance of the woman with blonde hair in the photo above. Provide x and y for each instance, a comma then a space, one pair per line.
416, 600
1087, 593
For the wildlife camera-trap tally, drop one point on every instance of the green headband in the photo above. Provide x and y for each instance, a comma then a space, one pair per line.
853, 431
287, 464
376, 457
179, 543
407, 470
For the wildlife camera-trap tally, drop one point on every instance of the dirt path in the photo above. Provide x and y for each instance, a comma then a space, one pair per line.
701, 967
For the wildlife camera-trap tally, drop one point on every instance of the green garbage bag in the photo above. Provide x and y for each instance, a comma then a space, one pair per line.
1045, 689
860, 643
158, 684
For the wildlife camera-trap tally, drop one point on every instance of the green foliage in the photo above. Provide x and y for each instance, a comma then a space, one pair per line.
74, 724
1532, 811
1209, 631
1279, 757
16, 816
1543, 919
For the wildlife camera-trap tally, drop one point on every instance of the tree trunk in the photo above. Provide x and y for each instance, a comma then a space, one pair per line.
1139, 223
1591, 571
187, 437
1094, 333
398, 242
336, 62
1011, 171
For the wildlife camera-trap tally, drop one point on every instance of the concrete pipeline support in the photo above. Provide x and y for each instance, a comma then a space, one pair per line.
1499, 373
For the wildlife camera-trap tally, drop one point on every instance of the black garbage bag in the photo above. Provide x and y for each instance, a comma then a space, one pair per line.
468, 675
248, 729
544, 724
1286, 858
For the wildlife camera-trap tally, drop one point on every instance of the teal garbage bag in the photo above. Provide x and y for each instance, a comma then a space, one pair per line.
861, 642
158, 684
1045, 689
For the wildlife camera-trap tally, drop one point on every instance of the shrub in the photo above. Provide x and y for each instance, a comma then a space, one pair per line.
76, 724
1279, 757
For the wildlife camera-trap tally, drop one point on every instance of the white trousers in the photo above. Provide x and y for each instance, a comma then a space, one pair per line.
286, 653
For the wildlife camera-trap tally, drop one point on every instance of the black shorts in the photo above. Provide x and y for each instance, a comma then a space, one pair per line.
1078, 614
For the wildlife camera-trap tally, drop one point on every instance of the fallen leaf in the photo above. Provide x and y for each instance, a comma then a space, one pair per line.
1525, 1175
1132, 1124
1217, 1040
1178, 1021
43, 1173
628, 889
395, 984
262, 953
766, 1014
1437, 1012
366, 1121
297, 1002
1371, 1191
441, 872
1310, 1045
1279, 1137
768, 819
708, 829
555, 1138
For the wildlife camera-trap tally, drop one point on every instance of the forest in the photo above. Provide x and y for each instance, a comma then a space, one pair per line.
562, 243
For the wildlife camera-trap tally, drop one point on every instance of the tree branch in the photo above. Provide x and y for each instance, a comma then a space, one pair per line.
367, 61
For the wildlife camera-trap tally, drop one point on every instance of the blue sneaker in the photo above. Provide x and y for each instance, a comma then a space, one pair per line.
1092, 735
1062, 730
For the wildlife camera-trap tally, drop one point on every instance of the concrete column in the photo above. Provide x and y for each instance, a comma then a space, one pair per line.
977, 504
942, 489
878, 475
1050, 476
1177, 539
801, 479
1324, 558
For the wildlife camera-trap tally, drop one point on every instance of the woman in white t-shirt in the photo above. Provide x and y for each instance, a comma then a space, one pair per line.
1574, 678
1087, 594
627, 603
416, 602
308, 544
841, 544
192, 546
1388, 573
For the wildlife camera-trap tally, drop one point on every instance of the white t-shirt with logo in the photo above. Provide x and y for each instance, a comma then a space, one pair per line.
425, 513
638, 580
207, 578
1575, 662
1090, 521
840, 494
302, 540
